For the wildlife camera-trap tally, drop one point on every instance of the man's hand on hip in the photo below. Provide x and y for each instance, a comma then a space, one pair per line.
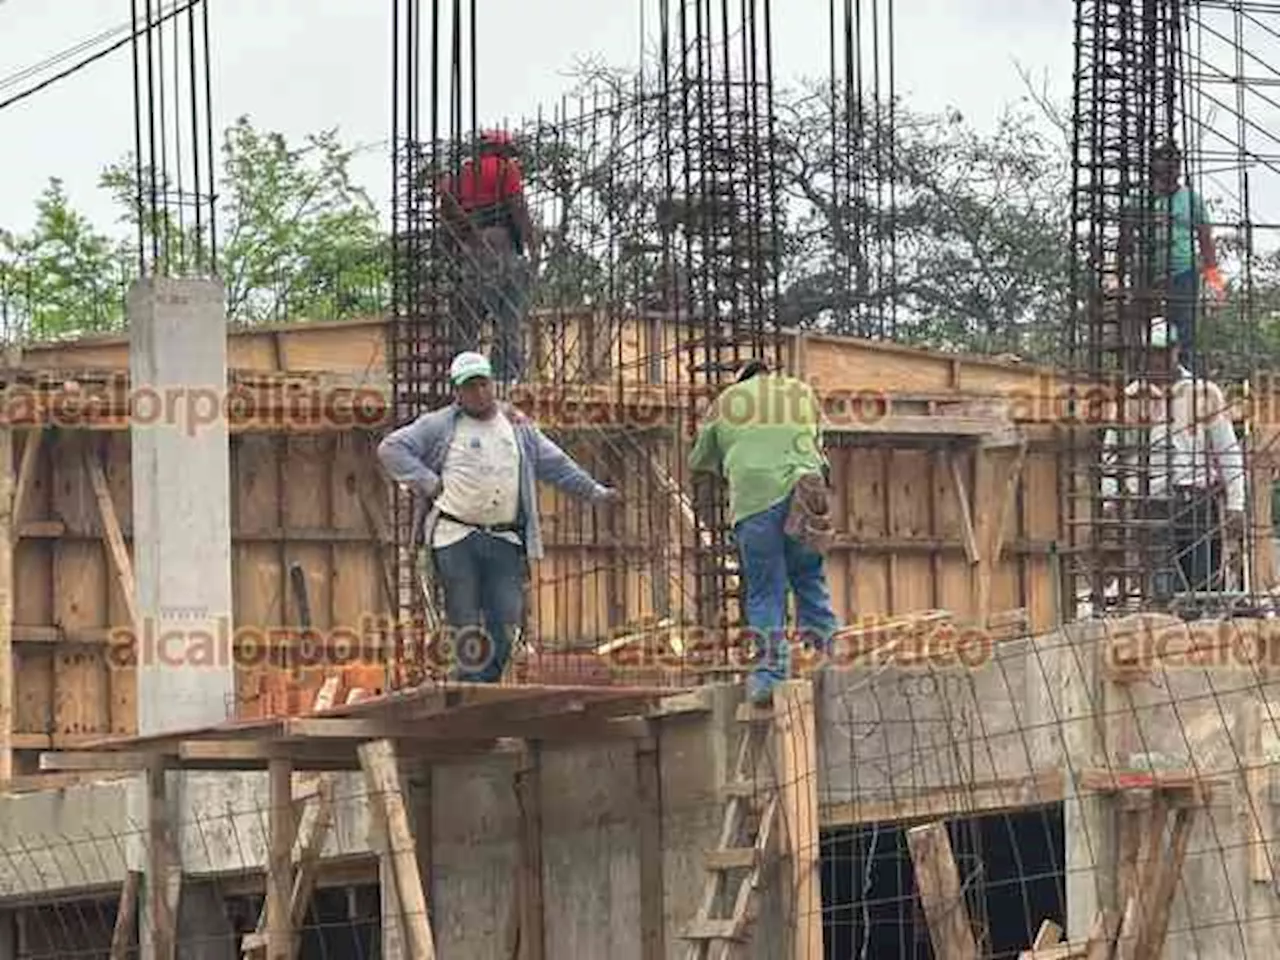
608, 495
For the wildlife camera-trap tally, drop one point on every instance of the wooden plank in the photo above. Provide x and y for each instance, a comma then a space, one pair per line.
532, 906
796, 747
965, 800
1156, 928
26, 478
1048, 935
126, 916
112, 535
7, 679
971, 550
72, 762
281, 934
378, 761
1258, 812
941, 894
649, 840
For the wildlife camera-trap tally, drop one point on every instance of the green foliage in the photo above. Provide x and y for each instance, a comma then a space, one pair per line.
298, 239
62, 276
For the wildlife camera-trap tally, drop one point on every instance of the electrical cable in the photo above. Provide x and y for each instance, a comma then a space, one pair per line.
89, 61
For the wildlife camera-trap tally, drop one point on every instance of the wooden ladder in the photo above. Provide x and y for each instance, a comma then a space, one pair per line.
747, 839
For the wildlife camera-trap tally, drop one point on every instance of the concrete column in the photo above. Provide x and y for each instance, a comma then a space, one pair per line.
181, 503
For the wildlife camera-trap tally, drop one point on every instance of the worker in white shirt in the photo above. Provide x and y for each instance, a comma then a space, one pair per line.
477, 462
1187, 448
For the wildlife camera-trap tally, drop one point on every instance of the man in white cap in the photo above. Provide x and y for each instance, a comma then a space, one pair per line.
1186, 445
476, 463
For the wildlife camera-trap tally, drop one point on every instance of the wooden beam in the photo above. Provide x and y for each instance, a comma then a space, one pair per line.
126, 915
796, 747
112, 535
941, 894
71, 761
281, 935
649, 840
7, 536
164, 876
386, 799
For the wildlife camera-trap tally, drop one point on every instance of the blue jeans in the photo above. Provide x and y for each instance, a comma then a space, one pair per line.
1181, 299
483, 580
772, 562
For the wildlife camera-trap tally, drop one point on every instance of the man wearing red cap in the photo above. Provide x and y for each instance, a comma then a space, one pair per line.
485, 211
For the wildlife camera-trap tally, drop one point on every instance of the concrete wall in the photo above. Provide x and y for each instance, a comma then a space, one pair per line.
1036, 705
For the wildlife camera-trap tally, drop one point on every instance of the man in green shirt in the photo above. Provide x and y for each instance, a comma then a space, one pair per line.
764, 435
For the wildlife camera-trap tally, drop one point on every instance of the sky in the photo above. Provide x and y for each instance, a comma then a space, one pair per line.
300, 66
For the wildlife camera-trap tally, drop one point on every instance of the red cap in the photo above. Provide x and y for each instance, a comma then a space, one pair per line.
497, 138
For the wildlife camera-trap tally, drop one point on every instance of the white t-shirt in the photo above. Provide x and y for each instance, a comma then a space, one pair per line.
481, 479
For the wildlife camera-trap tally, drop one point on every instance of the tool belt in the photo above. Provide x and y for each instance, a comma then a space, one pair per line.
809, 519
516, 527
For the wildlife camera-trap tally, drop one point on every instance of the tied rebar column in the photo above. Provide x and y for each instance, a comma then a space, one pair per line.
423, 336
720, 221
1126, 104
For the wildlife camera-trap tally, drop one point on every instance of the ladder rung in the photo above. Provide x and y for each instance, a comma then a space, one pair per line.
714, 930
732, 858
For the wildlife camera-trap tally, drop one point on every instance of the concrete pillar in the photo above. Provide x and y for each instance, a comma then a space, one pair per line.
181, 503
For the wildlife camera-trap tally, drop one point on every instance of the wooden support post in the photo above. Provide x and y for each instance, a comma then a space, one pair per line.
532, 913
280, 929
8, 528
164, 875
796, 748
1257, 802
941, 895
378, 761
126, 914
649, 836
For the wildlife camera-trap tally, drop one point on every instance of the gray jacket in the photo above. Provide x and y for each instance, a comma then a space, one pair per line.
414, 455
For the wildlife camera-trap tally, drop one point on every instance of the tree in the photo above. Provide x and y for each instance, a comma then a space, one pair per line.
297, 238
62, 277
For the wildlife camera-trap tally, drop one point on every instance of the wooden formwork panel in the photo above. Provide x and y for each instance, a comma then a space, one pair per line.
295, 499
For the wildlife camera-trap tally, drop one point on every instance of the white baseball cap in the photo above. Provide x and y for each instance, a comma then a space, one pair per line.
1161, 334
467, 366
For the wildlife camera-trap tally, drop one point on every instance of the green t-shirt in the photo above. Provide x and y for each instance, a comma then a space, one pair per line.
1175, 224
762, 436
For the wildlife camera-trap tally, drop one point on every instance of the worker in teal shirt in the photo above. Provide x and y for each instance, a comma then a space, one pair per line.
763, 435
1181, 245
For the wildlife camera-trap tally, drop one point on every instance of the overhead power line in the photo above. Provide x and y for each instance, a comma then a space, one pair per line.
124, 41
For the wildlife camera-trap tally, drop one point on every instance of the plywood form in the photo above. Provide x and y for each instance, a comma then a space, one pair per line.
904, 539
295, 500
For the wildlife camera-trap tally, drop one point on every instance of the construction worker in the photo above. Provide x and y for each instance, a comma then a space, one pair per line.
1180, 247
764, 436
486, 213
476, 463
1185, 444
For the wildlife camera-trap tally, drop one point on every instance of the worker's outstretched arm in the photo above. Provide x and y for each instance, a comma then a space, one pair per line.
557, 468
403, 455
